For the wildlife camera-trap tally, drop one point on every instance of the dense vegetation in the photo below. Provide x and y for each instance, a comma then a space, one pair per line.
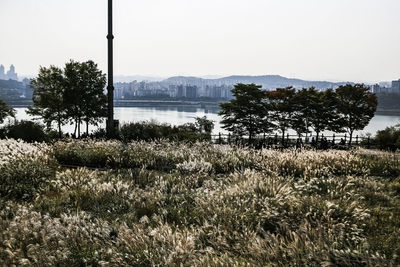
5, 111
151, 131
74, 94
253, 111
172, 204
388, 139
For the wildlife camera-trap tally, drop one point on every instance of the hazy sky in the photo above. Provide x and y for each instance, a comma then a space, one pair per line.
351, 40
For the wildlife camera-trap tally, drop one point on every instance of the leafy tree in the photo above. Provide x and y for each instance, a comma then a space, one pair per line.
48, 97
356, 107
282, 103
84, 93
73, 93
246, 113
318, 109
303, 100
204, 125
5, 111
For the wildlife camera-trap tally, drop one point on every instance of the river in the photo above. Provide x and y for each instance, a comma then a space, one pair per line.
181, 115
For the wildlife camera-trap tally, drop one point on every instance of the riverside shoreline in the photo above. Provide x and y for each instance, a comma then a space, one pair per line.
178, 103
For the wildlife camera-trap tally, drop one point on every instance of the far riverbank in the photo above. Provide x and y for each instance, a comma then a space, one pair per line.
207, 105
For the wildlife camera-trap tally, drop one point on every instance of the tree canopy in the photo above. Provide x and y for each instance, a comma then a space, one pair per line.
317, 109
73, 94
356, 107
5, 111
87, 82
282, 103
246, 113
48, 97
254, 111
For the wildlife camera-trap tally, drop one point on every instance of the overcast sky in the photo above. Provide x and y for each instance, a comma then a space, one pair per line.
350, 40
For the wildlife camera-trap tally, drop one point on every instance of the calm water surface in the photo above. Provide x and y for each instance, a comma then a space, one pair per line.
181, 115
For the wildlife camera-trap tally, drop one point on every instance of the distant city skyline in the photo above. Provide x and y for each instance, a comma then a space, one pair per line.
9, 75
338, 40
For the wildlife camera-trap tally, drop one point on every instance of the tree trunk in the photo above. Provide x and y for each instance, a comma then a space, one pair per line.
283, 137
317, 137
306, 130
351, 137
76, 127
250, 137
59, 129
87, 128
79, 128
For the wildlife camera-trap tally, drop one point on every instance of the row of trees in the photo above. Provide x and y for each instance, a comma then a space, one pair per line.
253, 111
74, 94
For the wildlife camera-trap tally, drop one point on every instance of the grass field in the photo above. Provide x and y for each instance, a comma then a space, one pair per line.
171, 204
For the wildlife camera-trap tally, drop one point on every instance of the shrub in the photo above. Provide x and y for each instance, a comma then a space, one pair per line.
388, 139
146, 131
150, 131
28, 131
100, 133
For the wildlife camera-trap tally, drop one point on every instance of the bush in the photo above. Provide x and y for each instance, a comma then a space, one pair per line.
100, 133
150, 131
146, 131
28, 131
388, 139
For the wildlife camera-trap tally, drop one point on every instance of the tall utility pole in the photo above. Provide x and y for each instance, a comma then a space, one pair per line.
110, 87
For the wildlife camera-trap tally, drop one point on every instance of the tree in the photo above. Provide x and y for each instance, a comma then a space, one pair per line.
74, 93
48, 97
356, 107
5, 111
303, 100
318, 109
86, 81
282, 103
246, 113
204, 125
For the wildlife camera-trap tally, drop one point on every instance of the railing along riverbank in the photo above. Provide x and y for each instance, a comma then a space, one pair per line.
276, 141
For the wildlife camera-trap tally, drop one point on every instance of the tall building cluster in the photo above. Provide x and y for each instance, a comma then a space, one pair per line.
395, 89
177, 90
10, 75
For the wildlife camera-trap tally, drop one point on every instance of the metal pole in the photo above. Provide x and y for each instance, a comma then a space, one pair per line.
110, 87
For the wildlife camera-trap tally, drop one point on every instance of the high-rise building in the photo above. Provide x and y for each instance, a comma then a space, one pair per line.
2, 74
396, 86
376, 88
10, 74
181, 91
191, 91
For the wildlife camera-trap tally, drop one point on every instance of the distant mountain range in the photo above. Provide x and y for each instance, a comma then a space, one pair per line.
266, 81
139, 78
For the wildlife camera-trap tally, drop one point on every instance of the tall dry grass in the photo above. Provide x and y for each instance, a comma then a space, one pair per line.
175, 204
